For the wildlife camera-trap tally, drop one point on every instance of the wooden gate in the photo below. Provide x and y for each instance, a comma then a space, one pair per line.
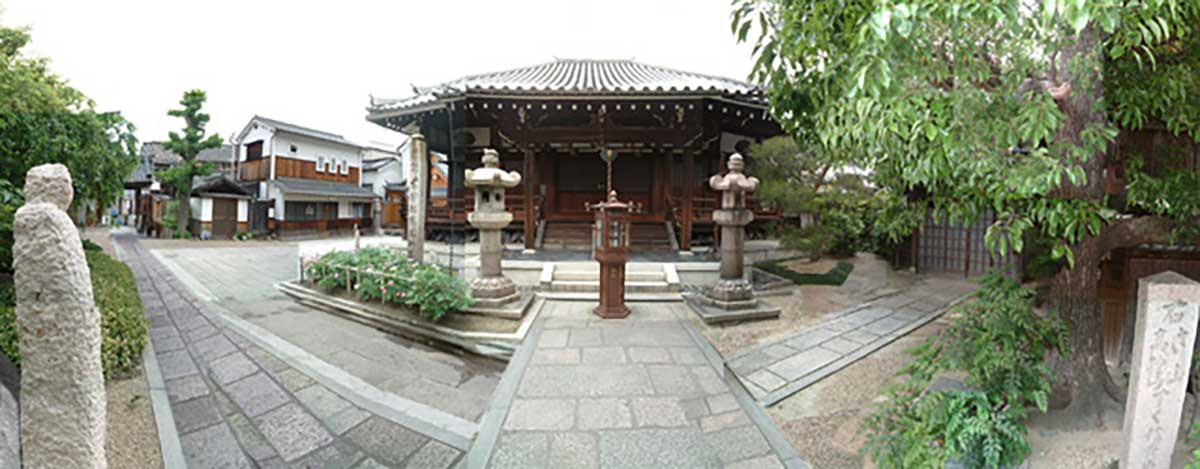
942, 247
224, 217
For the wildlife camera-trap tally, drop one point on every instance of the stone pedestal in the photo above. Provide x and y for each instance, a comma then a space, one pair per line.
62, 381
494, 293
1167, 311
732, 296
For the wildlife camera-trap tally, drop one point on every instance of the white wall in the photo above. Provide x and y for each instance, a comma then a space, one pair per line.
253, 135
311, 149
390, 174
243, 210
201, 208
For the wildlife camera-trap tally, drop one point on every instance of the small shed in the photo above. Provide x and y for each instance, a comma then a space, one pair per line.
220, 207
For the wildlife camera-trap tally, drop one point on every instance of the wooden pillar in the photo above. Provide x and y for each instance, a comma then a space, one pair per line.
689, 189
530, 194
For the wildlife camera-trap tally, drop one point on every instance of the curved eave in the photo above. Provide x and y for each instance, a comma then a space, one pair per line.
380, 113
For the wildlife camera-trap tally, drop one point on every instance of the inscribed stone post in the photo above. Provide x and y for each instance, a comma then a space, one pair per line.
62, 382
1168, 308
418, 167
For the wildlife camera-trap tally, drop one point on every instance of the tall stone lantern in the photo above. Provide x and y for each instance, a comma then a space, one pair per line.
492, 290
732, 296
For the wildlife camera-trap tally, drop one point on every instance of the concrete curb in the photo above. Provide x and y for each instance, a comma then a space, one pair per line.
774, 436
433, 423
164, 418
819, 374
506, 390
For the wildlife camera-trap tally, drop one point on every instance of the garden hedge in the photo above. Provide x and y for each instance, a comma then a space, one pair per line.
835, 276
122, 318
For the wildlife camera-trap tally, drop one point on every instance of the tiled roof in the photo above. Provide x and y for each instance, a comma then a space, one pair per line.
160, 155
373, 165
305, 131
572, 77
321, 188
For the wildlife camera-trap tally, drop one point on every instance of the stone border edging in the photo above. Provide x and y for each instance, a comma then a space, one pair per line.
819, 374
164, 418
160, 400
476, 342
431, 422
493, 418
774, 436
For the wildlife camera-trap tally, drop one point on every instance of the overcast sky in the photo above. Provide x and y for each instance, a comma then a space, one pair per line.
316, 63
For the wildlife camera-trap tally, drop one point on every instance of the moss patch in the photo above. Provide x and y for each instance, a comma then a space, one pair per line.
835, 276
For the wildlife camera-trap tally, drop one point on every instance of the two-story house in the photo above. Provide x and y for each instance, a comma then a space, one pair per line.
306, 182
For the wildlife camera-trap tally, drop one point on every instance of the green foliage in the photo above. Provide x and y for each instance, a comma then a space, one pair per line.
89, 245
187, 145
836, 276
385, 275
1174, 195
1000, 342
44, 120
843, 209
930, 95
171, 216
123, 325
122, 318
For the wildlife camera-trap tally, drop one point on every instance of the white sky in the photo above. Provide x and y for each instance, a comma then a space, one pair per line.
314, 63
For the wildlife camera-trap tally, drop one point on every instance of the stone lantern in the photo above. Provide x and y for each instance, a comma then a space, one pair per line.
732, 296
610, 244
492, 290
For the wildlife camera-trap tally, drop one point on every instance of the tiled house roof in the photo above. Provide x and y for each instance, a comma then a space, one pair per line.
571, 77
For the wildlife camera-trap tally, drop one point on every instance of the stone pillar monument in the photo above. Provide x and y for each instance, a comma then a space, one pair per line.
1167, 310
62, 382
732, 297
493, 292
418, 167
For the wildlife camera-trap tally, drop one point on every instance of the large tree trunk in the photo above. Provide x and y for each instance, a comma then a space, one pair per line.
184, 211
1082, 376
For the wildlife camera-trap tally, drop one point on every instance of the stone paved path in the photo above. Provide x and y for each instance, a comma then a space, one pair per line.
776, 370
637, 392
242, 280
237, 405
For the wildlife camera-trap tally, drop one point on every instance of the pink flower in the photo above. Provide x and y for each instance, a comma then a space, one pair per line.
384, 290
390, 283
403, 293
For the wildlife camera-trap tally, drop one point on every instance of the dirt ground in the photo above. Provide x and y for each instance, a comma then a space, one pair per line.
132, 437
808, 304
823, 421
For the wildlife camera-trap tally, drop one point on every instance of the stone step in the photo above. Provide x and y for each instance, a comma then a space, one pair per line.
594, 286
595, 296
594, 275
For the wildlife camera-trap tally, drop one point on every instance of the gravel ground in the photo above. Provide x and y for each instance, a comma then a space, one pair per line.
822, 422
132, 439
808, 304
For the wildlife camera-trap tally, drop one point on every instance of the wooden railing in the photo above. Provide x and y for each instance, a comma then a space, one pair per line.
257, 170
703, 207
440, 213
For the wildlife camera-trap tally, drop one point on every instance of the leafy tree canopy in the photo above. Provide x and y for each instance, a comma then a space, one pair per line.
187, 145
968, 101
45, 120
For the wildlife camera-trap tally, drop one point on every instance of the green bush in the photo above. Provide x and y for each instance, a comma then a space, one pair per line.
835, 276
430, 289
1000, 341
88, 245
122, 319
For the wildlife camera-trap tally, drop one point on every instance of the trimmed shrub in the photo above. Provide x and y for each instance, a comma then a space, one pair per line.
834, 277
122, 320
88, 245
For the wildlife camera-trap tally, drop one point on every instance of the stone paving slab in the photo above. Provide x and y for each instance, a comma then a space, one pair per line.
236, 405
637, 392
773, 371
